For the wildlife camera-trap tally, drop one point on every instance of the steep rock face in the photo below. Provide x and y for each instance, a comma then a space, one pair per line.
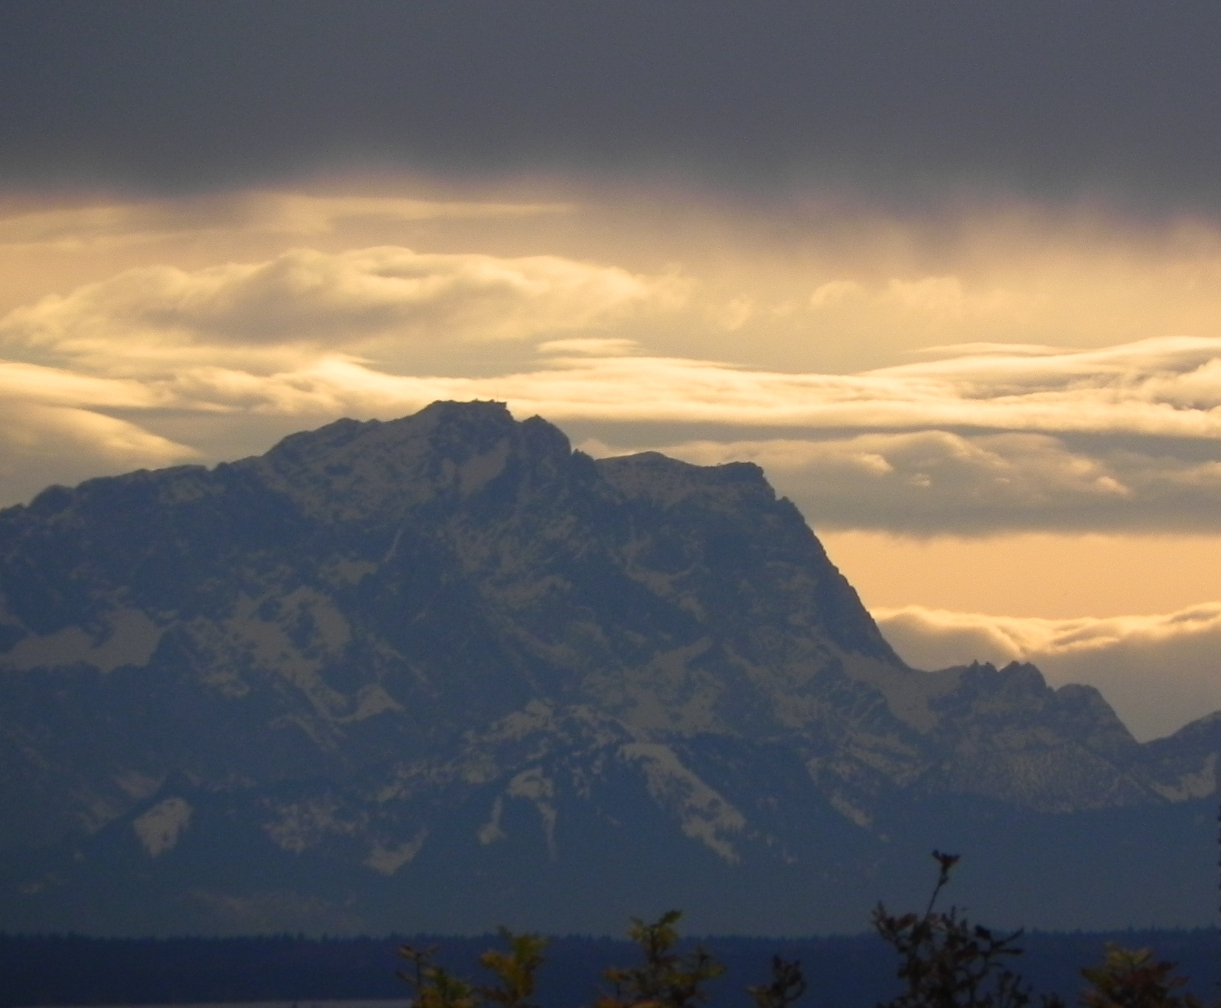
448, 649
1183, 766
1009, 736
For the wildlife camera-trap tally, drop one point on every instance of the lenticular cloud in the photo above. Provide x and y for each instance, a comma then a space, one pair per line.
348, 300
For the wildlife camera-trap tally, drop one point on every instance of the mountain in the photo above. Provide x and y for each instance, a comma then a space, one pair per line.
444, 672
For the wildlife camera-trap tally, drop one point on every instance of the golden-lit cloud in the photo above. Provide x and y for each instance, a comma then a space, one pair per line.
980, 439
934, 481
938, 482
95, 226
919, 377
1158, 672
51, 430
41, 445
22, 382
1163, 388
362, 300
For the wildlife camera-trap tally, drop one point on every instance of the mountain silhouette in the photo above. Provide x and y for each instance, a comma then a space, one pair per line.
444, 672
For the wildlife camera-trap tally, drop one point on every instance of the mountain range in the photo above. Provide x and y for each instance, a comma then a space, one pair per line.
444, 672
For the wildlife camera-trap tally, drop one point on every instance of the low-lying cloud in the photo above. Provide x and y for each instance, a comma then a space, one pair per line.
1158, 672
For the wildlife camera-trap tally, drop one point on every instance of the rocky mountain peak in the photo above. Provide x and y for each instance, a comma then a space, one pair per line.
379, 471
448, 647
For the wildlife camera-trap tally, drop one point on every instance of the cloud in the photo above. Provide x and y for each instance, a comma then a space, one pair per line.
732, 315
1166, 387
1158, 672
299, 214
905, 448
981, 309
1004, 349
944, 483
100, 225
590, 346
357, 300
973, 438
50, 386
913, 104
834, 292
51, 430
42, 444
933, 481
811, 285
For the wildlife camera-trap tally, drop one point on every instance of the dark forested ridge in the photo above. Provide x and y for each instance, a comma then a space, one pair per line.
853, 971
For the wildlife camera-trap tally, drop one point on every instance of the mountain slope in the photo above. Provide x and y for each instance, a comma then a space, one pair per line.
426, 673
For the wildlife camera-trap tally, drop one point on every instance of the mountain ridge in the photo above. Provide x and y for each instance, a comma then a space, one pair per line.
395, 650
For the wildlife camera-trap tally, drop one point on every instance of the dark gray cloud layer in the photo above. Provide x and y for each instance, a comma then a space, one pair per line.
1053, 98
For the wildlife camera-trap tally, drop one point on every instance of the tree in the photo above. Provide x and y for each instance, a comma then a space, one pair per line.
434, 986
788, 984
1132, 978
667, 979
515, 969
947, 962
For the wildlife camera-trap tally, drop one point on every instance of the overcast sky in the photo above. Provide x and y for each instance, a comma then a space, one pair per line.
950, 272
1052, 96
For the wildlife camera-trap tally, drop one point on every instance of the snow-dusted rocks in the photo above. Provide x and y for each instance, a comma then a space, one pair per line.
444, 672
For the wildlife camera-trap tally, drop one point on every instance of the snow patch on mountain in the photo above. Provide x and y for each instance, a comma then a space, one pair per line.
128, 637
1201, 784
703, 813
159, 828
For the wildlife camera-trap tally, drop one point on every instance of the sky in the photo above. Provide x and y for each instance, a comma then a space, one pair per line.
949, 272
